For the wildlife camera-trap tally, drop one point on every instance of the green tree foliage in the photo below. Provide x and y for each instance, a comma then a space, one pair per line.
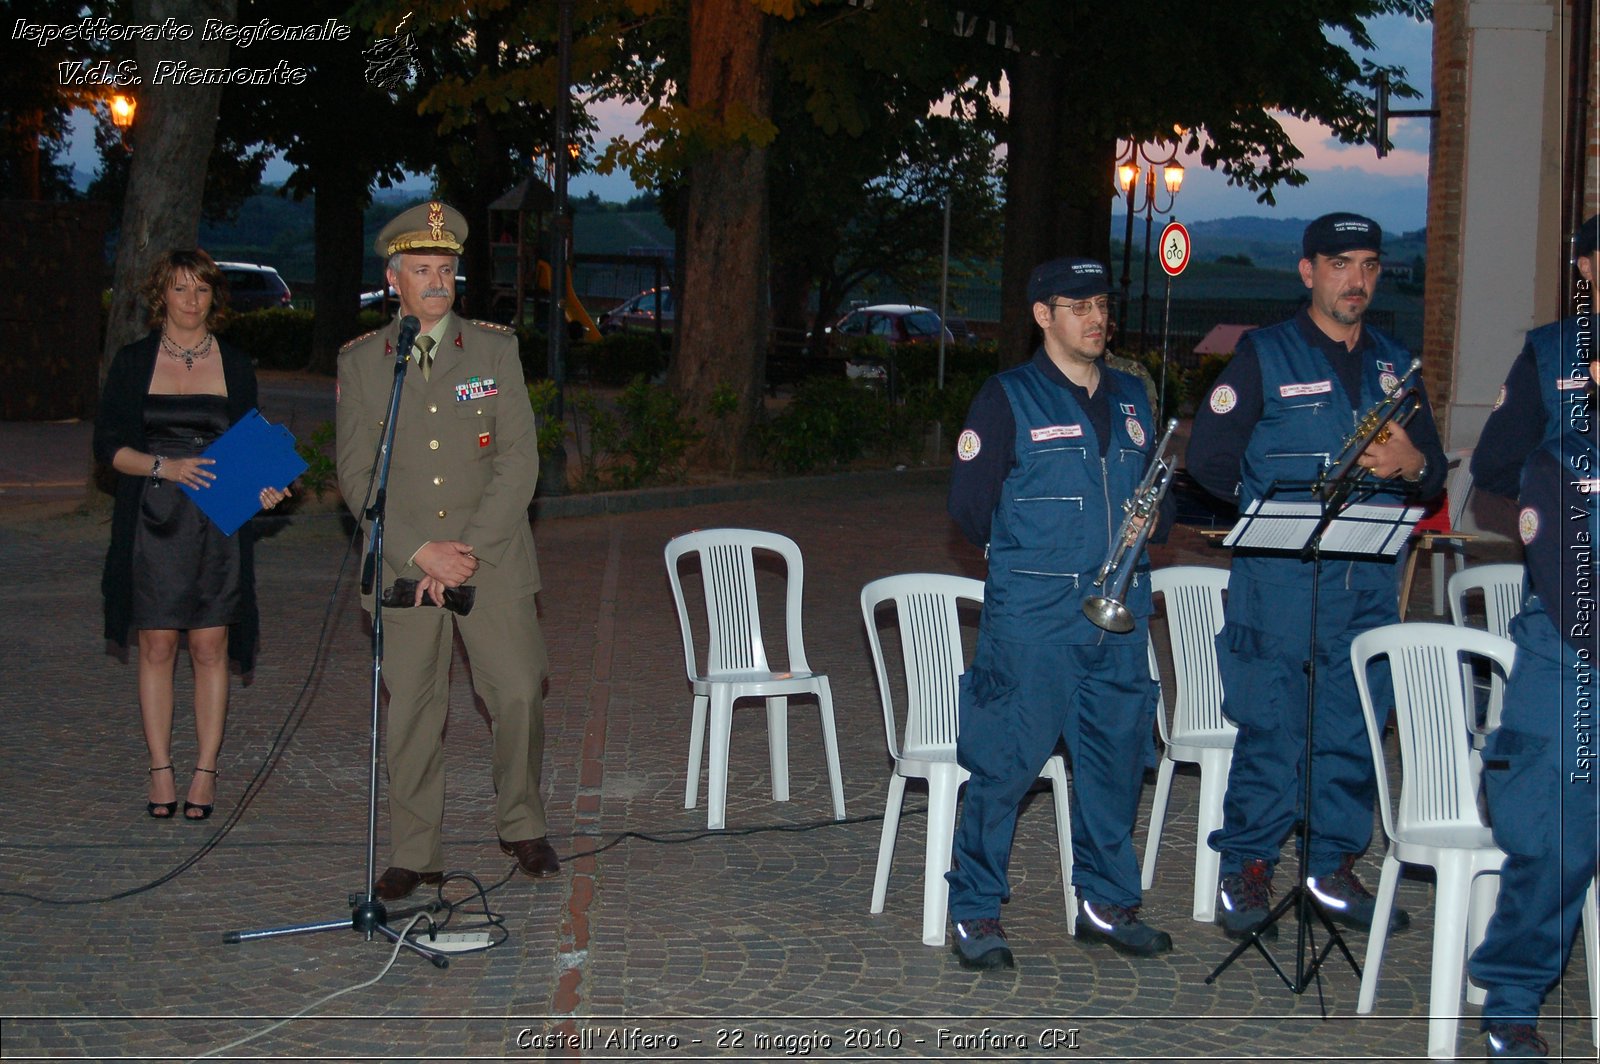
38, 102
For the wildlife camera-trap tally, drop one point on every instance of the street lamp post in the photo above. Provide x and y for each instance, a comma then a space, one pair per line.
1137, 168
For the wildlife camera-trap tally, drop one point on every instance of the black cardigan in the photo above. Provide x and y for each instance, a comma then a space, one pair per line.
119, 424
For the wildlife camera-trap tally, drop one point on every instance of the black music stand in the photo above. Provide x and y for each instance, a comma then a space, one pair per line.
1332, 525
367, 913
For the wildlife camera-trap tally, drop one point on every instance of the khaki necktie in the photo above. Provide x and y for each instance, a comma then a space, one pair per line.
425, 355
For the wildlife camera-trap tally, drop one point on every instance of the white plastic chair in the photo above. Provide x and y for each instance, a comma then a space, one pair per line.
1460, 498
927, 609
1198, 733
1437, 821
1501, 586
736, 660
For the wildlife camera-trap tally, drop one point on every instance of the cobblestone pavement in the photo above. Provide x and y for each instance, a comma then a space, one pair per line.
669, 943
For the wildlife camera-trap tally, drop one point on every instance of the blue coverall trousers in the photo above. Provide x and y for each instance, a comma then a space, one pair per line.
1261, 652
1538, 772
1017, 700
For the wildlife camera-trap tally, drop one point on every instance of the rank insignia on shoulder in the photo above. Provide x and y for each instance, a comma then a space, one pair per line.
491, 325
348, 344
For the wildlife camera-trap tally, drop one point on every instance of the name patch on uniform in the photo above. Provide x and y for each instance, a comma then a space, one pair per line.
968, 445
1291, 391
483, 439
476, 388
1055, 432
1571, 384
1135, 431
1528, 525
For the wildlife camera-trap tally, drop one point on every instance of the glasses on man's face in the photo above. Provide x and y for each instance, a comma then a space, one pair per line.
1084, 306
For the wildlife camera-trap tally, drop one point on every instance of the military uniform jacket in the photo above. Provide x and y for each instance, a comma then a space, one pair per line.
465, 458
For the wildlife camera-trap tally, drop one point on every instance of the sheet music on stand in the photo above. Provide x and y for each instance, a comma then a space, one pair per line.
1362, 529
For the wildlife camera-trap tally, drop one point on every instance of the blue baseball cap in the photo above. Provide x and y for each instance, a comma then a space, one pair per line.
1334, 234
1070, 277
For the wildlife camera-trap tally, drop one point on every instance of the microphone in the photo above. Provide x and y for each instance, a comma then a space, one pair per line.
409, 326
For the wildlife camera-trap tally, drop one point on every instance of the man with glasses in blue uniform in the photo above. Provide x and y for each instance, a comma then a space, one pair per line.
1050, 451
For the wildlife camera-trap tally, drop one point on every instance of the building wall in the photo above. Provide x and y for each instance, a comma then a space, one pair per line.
1497, 246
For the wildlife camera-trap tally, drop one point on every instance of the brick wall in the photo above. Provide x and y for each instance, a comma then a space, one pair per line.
1447, 163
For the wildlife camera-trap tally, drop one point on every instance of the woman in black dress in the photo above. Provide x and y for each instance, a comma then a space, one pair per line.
169, 569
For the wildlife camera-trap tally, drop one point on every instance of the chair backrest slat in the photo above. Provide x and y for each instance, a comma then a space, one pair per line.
1194, 602
927, 612
733, 615
1439, 784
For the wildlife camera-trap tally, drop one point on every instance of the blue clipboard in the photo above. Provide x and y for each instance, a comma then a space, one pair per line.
252, 455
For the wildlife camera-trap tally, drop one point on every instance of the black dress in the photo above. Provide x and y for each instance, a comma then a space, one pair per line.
121, 423
186, 573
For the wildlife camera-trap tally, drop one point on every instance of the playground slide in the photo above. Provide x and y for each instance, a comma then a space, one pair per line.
572, 307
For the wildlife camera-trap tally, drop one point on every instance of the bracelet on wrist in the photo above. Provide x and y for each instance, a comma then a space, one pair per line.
155, 468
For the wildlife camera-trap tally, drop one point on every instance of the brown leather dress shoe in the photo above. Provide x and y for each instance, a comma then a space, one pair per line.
397, 883
534, 856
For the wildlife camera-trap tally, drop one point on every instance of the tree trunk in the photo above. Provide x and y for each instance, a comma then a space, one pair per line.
341, 197
171, 141
722, 316
1059, 184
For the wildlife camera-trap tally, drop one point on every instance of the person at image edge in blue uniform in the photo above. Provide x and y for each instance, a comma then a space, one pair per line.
1287, 401
1539, 445
1050, 451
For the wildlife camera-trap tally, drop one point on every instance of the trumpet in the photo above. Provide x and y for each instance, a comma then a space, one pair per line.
1373, 427
1107, 609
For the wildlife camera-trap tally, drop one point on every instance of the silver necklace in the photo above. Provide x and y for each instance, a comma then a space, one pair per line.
186, 355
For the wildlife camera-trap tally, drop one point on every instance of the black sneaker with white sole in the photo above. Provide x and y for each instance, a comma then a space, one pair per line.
1244, 899
1119, 927
981, 945
1514, 1040
1342, 896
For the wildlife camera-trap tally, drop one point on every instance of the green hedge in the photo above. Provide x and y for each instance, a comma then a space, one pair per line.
276, 339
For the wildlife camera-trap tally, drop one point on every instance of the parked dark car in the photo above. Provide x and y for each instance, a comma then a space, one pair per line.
255, 287
386, 298
893, 323
641, 313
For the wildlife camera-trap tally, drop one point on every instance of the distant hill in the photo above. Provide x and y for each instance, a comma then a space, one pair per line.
1271, 243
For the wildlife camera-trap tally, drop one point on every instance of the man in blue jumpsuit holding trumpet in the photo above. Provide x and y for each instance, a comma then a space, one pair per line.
1285, 405
1051, 450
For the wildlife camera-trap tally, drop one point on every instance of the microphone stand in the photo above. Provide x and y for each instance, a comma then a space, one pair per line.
368, 914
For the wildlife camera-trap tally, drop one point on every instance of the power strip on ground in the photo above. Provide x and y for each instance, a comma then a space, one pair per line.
454, 941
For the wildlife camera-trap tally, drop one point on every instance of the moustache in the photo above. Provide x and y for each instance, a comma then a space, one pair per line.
439, 293
1358, 293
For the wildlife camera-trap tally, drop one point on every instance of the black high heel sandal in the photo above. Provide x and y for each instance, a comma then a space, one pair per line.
162, 810
205, 810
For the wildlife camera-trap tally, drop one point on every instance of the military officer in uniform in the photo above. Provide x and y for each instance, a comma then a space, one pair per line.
464, 464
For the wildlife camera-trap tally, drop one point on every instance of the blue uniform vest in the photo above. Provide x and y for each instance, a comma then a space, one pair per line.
1059, 507
1563, 366
1537, 628
1306, 415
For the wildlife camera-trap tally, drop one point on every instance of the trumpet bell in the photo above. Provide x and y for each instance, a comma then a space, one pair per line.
1108, 613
